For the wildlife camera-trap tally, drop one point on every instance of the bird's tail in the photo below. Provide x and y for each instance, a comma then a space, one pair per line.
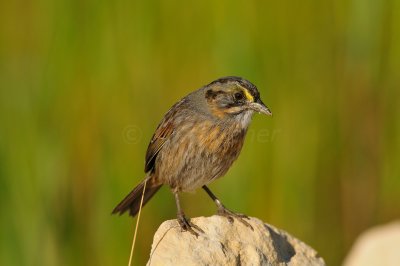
132, 201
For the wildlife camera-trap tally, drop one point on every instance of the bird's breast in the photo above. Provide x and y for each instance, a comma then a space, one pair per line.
221, 140
199, 154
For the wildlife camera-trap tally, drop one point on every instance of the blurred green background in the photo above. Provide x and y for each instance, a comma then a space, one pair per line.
85, 83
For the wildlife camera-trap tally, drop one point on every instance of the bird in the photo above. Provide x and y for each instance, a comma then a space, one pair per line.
195, 143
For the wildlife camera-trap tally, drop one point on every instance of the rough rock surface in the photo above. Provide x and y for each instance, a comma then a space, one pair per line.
379, 245
223, 243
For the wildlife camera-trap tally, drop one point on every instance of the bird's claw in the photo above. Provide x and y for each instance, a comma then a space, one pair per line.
187, 225
230, 215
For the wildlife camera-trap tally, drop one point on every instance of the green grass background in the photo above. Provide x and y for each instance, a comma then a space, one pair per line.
83, 84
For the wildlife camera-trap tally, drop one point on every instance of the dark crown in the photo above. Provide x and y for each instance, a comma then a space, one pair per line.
241, 81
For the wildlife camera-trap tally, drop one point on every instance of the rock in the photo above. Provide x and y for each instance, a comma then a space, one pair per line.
223, 243
379, 245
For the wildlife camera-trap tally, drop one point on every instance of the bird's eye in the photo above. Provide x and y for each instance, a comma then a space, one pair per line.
239, 96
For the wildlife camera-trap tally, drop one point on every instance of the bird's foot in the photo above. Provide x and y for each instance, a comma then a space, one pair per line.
230, 215
187, 225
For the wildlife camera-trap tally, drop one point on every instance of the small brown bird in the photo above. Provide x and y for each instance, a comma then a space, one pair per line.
196, 142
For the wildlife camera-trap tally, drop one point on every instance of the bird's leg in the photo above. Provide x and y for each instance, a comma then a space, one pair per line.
223, 211
184, 222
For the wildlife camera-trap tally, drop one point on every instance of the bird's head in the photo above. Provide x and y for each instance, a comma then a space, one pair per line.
234, 97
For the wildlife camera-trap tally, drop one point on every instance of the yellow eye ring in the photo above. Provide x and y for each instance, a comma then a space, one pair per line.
249, 97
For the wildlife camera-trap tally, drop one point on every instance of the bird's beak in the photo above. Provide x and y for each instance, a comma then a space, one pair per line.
259, 106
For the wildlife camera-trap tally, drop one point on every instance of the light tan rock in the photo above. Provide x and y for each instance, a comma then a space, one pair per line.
379, 245
223, 243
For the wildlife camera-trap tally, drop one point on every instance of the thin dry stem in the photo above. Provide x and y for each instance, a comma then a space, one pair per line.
137, 225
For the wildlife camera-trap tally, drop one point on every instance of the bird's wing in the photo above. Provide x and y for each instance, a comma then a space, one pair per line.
164, 130
161, 135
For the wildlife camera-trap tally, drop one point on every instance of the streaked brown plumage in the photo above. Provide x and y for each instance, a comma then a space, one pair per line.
196, 142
